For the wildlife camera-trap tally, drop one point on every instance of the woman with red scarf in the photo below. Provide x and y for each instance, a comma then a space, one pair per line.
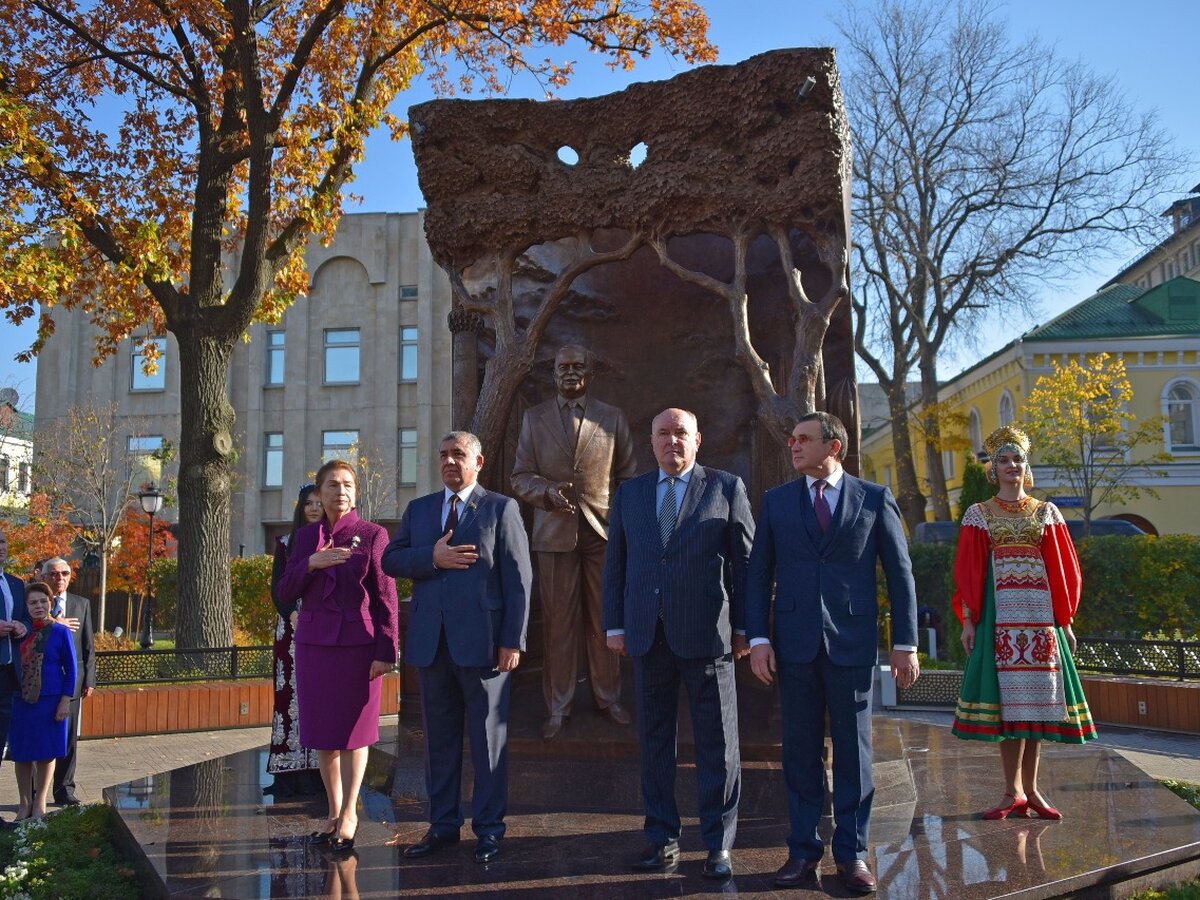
46, 673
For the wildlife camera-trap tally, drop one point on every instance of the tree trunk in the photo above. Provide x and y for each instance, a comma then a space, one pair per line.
934, 468
908, 491
103, 585
204, 616
503, 376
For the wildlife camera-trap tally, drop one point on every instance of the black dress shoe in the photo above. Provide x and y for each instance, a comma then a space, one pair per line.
796, 872
855, 876
719, 865
655, 857
431, 843
487, 849
341, 844
318, 838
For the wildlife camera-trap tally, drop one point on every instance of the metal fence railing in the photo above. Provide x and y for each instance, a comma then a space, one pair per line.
1163, 659
115, 667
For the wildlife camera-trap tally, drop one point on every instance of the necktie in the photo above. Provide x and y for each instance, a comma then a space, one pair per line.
452, 519
58, 607
572, 415
821, 506
667, 513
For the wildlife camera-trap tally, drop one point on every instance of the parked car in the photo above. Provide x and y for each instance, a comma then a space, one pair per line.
935, 533
1104, 528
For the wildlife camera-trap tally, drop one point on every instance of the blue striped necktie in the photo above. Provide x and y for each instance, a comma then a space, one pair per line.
667, 513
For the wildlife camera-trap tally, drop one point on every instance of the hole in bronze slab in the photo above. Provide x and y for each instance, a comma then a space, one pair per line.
568, 155
637, 154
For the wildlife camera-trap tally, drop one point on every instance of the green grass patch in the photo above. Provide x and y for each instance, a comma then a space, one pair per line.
68, 855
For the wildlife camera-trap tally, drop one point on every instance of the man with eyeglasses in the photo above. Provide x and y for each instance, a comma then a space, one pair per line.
813, 564
14, 625
76, 613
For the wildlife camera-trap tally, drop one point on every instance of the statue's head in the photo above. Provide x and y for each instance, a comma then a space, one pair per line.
572, 366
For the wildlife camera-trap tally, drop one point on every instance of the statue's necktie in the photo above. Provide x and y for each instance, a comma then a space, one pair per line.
821, 506
667, 513
452, 519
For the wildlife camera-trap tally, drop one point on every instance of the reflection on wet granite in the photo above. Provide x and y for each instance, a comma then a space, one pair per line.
574, 822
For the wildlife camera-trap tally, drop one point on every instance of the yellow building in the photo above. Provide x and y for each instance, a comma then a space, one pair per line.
1156, 331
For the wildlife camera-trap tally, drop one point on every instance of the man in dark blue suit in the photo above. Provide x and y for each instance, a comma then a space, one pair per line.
14, 623
678, 545
817, 542
470, 612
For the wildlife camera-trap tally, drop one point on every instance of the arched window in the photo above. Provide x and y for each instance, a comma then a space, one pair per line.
1006, 409
1183, 415
975, 430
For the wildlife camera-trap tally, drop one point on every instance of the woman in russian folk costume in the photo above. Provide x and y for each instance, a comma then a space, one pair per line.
1017, 590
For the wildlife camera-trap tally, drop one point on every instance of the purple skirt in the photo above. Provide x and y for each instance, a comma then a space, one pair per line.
339, 704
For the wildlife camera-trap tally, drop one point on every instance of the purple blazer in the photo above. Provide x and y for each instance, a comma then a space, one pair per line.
349, 604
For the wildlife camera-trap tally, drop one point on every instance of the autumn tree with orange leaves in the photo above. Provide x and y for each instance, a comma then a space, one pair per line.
241, 122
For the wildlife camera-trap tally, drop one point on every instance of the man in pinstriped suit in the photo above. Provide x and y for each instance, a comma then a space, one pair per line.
674, 578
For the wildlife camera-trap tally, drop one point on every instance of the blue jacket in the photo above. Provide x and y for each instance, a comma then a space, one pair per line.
825, 589
481, 608
698, 579
58, 664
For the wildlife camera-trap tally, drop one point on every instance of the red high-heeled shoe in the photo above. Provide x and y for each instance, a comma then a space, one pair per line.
1044, 812
1017, 809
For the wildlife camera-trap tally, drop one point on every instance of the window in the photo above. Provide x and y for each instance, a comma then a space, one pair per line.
1183, 411
339, 445
24, 481
408, 456
975, 430
887, 476
341, 356
408, 292
948, 463
1006, 408
138, 379
273, 459
275, 360
5, 473
408, 354
145, 467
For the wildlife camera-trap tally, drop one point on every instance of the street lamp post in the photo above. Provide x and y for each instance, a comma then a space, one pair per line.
152, 501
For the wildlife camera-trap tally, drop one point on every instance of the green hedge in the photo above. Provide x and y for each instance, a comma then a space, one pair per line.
1131, 586
250, 577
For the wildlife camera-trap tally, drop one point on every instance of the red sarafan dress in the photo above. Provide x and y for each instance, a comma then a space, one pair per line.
1018, 574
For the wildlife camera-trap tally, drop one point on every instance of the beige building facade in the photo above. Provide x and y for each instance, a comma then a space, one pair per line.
359, 367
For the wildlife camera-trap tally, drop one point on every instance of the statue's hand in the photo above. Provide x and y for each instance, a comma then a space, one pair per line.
562, 497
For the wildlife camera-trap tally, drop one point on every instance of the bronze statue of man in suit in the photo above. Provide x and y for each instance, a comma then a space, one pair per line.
573, 453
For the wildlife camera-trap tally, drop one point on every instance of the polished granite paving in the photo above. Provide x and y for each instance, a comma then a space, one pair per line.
574, 822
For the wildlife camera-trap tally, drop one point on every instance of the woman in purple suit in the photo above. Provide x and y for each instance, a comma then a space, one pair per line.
345, 641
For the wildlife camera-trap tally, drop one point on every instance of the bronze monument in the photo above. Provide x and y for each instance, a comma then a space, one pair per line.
572, 453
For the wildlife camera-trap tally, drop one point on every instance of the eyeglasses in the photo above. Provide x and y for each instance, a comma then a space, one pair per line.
66, 574
802, 439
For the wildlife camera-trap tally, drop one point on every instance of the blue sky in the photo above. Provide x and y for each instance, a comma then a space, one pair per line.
1147, 48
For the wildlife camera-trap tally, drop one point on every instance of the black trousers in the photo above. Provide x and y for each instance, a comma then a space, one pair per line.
64, 768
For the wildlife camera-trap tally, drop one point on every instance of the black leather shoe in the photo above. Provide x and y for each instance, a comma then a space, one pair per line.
719, 865
66, 800
796, 872
341, 845
656, 858
487, 849
320, 838
855, 876
431, 843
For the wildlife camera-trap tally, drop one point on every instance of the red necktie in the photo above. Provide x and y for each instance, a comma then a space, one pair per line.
821, 506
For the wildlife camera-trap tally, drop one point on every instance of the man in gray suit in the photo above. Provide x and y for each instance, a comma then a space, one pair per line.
76, 613
674, 579
572, 454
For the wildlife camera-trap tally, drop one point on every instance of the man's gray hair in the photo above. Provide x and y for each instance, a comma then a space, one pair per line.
473, 443
52, 561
